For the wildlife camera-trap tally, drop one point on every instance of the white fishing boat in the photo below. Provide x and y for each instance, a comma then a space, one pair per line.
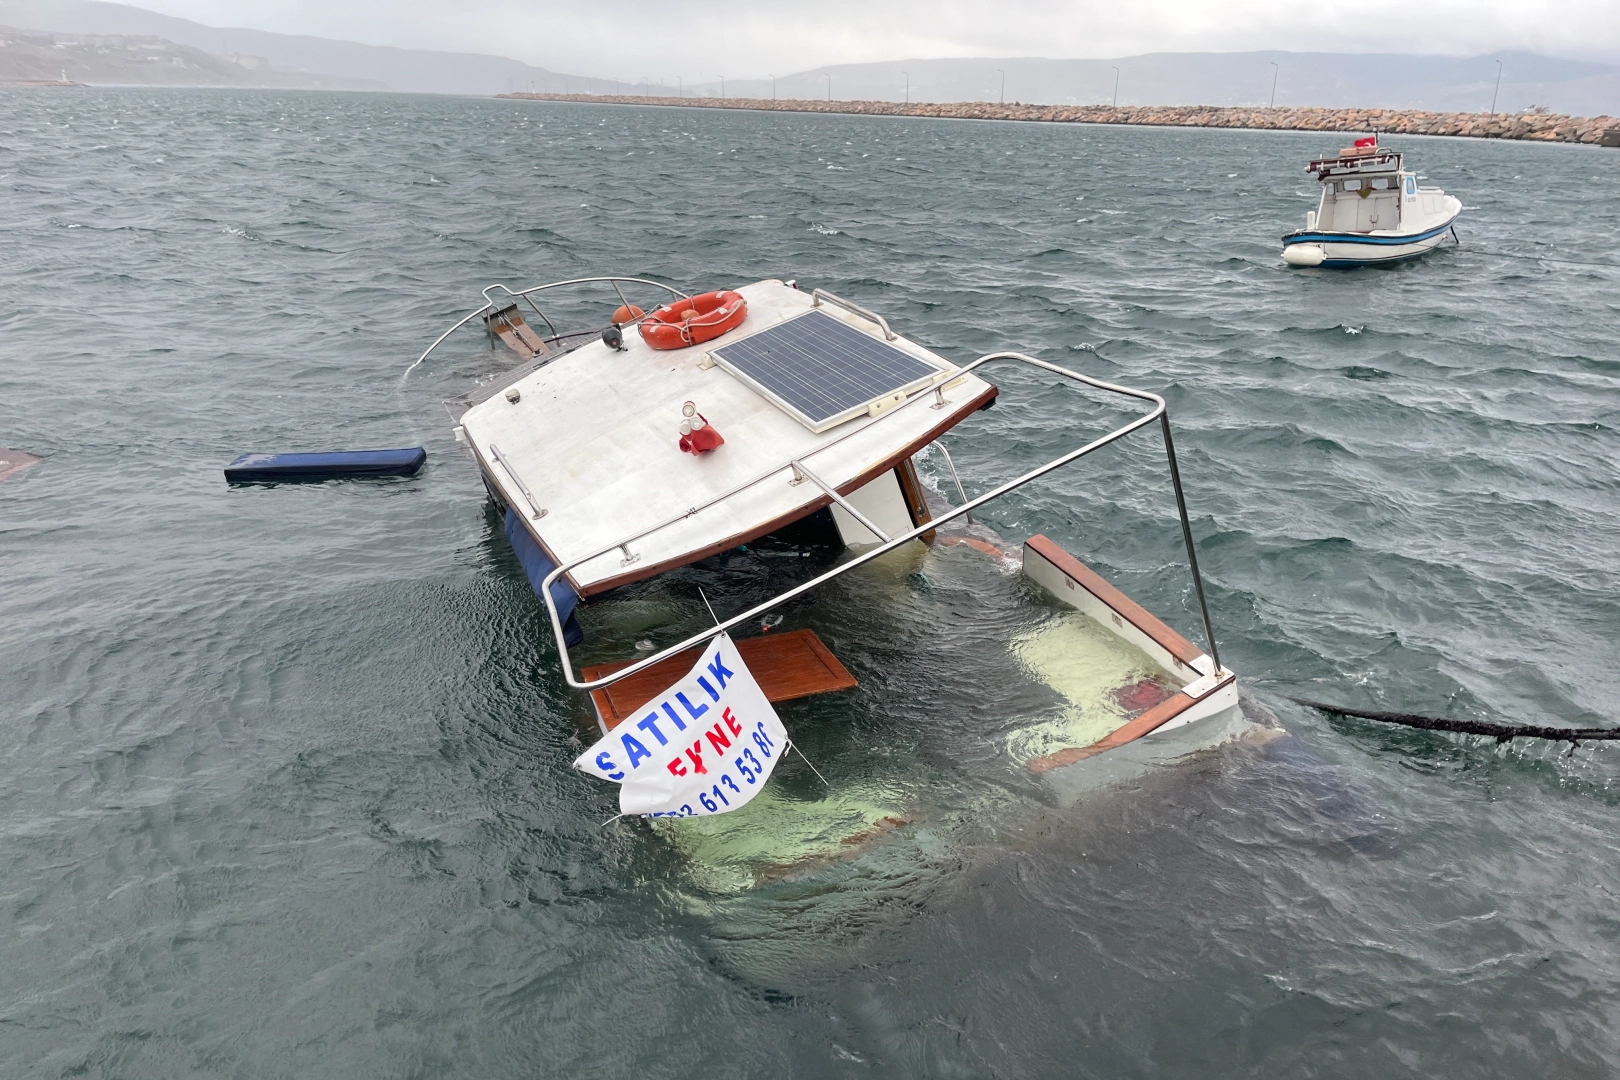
617, 460
1372, 210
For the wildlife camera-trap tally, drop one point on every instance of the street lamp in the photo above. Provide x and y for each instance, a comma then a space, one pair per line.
722, 88
829, 86
1116, 86
773, 87
680, 87
1498, 89
1275, 71
1003, 86
907, 74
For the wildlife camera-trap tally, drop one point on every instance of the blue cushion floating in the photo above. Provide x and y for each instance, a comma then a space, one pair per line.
251, 467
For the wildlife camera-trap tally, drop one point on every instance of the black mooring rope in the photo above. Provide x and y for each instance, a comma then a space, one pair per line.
1500, 732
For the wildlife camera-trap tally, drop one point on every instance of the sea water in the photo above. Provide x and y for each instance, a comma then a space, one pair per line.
286, 787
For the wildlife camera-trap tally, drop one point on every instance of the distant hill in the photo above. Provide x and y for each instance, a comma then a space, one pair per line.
1332, 80
143, 60
377, 67
1328, 80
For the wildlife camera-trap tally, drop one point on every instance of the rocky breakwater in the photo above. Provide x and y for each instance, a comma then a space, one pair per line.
1542, 127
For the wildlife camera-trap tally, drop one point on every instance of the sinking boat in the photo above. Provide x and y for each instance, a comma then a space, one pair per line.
1372, 210
819, 415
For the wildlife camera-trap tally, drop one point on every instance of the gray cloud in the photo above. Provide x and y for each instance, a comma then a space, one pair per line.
698, 39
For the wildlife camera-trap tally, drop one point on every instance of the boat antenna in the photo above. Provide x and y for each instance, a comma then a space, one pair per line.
795, 748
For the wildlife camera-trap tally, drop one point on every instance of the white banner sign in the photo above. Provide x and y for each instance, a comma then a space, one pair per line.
704, 746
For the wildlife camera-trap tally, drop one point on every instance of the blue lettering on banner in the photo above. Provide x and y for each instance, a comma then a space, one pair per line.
649, 724
634, 748
720, 672
669, 711
716, 752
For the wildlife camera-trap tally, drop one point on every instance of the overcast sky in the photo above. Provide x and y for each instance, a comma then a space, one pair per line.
629, 38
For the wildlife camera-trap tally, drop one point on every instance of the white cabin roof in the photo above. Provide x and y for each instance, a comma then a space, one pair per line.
594, 438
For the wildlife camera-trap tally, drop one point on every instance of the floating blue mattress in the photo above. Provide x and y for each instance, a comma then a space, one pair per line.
342, 463
536, 565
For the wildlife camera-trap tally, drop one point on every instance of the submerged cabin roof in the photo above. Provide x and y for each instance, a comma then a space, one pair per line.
593, 438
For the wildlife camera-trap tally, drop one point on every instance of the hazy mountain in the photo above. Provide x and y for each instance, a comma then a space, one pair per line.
1336, 80
1322, 79
385, 68
144, 60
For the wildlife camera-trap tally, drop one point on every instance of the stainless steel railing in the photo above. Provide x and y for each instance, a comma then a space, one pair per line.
797, 472
489, 304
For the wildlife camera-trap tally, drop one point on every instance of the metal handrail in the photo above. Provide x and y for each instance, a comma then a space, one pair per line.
962, 494
490, 303
818, 295
1159, 412
832, 493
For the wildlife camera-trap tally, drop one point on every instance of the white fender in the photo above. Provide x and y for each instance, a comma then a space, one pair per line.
1304, 255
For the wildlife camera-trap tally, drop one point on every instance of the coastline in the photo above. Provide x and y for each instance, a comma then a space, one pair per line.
1536, 127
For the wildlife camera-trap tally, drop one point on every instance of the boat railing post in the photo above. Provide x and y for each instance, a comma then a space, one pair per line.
818, 295
961, 493
800, 467
1187, 536
530, 301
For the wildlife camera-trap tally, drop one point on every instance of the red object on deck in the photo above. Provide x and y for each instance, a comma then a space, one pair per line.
700, 438
1368, 143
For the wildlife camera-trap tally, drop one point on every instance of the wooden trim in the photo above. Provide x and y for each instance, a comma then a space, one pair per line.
1128, 609
911, 491
1150, 721
776, 661
609, 584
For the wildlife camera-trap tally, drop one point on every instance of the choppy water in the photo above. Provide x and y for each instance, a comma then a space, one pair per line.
285, 787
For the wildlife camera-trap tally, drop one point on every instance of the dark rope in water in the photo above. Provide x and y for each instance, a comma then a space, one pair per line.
1538, 258
1500, 732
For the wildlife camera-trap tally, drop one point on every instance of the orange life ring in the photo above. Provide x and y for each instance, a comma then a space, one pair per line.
688, 322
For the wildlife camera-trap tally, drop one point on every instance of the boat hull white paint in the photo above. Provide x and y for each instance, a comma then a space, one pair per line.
1336, 251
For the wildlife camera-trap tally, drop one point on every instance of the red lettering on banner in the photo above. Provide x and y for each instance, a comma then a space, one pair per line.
677, 768
731, 722
718, 739
696, 754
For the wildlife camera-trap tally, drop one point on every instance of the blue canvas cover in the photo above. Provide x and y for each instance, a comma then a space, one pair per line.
326, 466
536, 565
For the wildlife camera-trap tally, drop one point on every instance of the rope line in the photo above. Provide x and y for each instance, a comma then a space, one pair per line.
1500, 732
1538, 258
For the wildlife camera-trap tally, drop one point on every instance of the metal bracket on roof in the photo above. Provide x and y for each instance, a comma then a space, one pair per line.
628, 558
818, 295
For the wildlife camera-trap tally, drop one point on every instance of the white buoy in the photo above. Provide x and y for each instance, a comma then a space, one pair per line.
1304, 255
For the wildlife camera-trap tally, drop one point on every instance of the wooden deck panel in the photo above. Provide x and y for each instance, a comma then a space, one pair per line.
786, 665
519, 337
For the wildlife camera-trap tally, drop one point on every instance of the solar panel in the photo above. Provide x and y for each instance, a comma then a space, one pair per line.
822, 370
